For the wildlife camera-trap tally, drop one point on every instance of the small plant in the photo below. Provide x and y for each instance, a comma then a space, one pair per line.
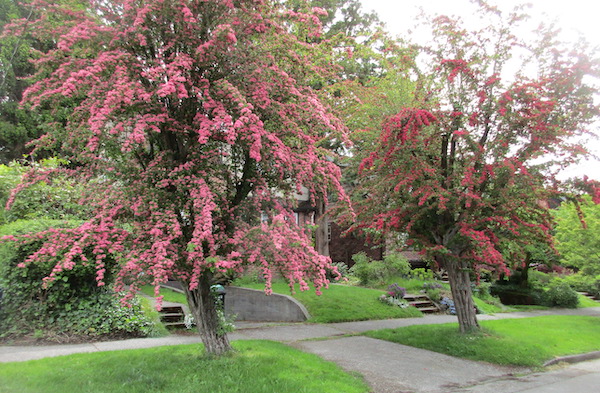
189, 321
342, 270
396, 291
431, 285
392, 301
432, 290
226, 322
448, 304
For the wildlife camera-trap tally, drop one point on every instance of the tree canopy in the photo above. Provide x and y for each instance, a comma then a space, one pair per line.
465, 171
189, 119
576, 233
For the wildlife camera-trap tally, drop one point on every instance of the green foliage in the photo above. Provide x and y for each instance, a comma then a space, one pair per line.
513, 294
421, 274
539, 280
521, 342
580, 282
58, 200
579, 244
255, 367
372, 272
342, 269
71, 304
560, 294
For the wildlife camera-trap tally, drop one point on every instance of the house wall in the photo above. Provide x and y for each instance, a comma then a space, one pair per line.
341, 248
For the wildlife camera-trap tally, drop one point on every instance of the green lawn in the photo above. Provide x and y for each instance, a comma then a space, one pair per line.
586, 302
522, 342
256, 367
169, 294
342, 303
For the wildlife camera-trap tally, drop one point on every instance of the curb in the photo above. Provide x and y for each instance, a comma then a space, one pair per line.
574, 358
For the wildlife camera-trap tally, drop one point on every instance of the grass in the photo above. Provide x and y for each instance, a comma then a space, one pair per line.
256, 367
150, 311
169, 294
587, 302
341, 303
521, 342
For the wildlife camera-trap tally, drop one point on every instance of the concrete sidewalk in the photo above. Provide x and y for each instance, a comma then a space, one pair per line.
387, 367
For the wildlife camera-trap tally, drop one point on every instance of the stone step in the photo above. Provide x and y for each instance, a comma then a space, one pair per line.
429, 310
422, 302
174, 324
411, 297
172, 316
589, 296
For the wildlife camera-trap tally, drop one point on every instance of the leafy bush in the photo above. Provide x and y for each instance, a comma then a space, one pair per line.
539, 279
101, 314
516, 295
71, 304
421, 274
583, 283
59, 200
482, 290
24, 285
342, 269
560, 294
377, 272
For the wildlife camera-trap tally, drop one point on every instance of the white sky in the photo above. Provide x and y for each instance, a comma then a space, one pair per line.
574, 17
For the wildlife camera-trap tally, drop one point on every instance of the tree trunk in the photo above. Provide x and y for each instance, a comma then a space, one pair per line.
204, 309
460, 284
321, 235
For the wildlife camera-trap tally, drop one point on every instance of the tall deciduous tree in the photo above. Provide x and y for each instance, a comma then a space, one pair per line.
462, 172
191, 117
577, 235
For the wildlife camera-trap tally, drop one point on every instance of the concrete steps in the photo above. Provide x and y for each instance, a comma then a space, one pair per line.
422, 302
172, 316
589, 296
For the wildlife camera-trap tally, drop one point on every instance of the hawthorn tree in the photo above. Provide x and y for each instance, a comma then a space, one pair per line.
465, 171
191, 117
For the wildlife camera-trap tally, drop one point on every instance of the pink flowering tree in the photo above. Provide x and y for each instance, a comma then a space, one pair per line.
190, 118
466, 171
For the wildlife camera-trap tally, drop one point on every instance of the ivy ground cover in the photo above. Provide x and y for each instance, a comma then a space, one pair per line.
254, 367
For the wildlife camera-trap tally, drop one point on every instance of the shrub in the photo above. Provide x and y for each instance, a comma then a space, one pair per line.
101, 314
539, 279
342, 269
73, 304
515, 295
482, 290
580, 282
421, 274
560, 294
378, 272
58, 200
24, 285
